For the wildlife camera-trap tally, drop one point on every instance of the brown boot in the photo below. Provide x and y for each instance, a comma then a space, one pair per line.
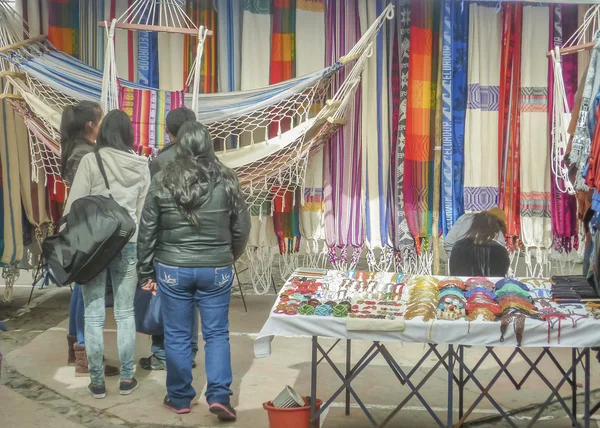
81, 364
71, 340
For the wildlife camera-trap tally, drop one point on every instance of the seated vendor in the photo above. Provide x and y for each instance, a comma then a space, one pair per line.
478, 253
461, 228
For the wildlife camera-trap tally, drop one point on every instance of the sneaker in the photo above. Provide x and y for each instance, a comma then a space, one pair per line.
169, 405
98, 391
126, 387
223, 411
152, 363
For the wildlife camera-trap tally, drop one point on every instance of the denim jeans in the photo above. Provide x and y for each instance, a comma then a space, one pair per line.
124, 281
182, 290
158, 343
76, 315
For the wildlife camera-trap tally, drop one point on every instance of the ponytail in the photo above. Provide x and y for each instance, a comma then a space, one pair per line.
73, 127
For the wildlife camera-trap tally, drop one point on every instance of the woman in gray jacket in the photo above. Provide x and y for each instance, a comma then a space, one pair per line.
129, 179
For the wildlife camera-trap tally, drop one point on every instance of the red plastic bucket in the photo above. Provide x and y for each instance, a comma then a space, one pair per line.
296, 417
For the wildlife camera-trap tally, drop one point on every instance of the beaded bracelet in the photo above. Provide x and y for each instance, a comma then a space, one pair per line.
480, 282
456, 283
478, 290
507, 281
487, 314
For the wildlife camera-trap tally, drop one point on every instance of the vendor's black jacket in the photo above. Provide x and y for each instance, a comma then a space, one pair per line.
164, 157
167, 236
74, 151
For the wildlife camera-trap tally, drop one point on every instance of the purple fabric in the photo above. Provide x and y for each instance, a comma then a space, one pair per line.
564, 206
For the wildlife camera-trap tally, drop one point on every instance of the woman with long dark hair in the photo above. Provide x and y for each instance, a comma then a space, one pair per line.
478, 254
194, 226
78, 127
129, 178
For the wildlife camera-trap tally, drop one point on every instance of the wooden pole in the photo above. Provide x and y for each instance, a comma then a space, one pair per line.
574, 49
22, 43
156, 28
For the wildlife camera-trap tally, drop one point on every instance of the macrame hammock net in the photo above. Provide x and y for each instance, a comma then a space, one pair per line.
40, 81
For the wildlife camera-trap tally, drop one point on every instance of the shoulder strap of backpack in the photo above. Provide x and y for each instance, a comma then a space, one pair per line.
102, 171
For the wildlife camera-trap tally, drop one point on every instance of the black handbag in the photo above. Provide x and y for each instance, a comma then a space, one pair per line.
95, 231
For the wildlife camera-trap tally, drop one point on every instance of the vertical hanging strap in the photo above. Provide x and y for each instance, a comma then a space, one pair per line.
110, 86
202, 33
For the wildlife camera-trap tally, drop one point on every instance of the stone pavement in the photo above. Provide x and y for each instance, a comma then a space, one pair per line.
41, 383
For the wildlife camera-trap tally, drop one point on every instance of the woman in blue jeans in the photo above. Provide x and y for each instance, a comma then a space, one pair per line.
79, 128
128, 178
195, 224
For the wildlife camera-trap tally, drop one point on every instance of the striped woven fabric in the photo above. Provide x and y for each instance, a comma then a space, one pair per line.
418, 169
202, 12
63, 25
148, 110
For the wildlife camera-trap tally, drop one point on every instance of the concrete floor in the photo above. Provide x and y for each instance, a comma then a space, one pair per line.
40, 390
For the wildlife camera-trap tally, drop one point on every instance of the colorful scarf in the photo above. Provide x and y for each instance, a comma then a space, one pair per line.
343, 155
536, 226
202, 12
229, 44
63, 25
563, 205
406, 257
481, 130
454, 98
509, 166
147, 64
148, 110
418, 166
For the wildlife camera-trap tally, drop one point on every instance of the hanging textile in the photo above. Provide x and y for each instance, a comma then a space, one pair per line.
32, 12
63, 25
481, 128
148, 110
344, 228
256, 44
310, 57
229, 44
536, 226
283, 56
203, 12
91, 47
406, 257
376, 143
125, 41
9, 157
147, 64
454, 97
509, 155
563, 206
418, 177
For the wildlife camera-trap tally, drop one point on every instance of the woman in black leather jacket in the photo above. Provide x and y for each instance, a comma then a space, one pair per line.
194, 226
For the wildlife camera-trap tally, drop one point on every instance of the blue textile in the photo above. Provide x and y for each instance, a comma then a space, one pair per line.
210, 290
77, 315
455, 27
158, 343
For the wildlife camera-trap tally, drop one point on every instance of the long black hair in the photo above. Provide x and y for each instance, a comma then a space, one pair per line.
191, 177
116, 131
74, 125
485, 228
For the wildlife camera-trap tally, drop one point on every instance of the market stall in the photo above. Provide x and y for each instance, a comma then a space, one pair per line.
458, 312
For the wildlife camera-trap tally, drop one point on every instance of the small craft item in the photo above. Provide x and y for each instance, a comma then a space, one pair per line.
593, 310
451, 300
518, 321
479, 282
481, 302
533, 283
570, 289
422, 299
306, 310
557, 318
509, 281
323, 310
340, 311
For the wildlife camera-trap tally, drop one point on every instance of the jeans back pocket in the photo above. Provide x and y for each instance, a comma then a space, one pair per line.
223, 276
168, 275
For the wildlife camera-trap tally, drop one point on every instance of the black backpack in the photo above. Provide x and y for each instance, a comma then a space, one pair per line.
96, 230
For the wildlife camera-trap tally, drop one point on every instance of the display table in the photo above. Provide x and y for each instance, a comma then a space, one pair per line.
388, 299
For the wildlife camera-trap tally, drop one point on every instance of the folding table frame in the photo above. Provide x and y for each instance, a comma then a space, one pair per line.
453, 360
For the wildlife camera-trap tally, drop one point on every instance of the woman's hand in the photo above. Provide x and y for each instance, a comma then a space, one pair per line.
150, 285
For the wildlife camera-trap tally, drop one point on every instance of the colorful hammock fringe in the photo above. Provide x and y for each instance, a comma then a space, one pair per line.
148, 110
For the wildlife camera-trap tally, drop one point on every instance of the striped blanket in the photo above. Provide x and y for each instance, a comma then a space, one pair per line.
148, 110
63, 25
